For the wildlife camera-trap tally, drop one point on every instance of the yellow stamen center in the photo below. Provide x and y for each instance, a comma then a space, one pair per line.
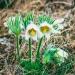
32, 32
45, 29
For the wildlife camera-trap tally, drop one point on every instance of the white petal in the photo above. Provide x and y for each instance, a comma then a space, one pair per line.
32, 26
58, 21
45, 24
34, 38
40, 35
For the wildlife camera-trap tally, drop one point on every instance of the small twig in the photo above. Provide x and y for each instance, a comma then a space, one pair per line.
61, 2
69, 29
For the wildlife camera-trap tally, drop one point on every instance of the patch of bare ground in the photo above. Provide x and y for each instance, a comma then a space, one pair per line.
55, 8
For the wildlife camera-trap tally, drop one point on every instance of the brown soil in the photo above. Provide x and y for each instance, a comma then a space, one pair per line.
54, 8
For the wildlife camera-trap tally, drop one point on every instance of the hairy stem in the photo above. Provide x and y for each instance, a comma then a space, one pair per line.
17, 48
38, 50
30, 52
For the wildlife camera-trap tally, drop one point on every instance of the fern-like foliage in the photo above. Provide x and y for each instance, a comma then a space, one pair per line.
28, 18
43, 18
14, 24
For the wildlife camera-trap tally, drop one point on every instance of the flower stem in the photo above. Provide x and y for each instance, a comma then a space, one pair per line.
17, 48
30, 52
38, 50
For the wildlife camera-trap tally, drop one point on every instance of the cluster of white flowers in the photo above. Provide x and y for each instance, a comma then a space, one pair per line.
15, 24
37, 31
44, 29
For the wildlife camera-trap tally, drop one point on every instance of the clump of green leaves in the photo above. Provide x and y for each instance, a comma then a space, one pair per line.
31, 68
52, 54
15, 25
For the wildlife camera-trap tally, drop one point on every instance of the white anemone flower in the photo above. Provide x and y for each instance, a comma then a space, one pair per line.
33, 32
46, 29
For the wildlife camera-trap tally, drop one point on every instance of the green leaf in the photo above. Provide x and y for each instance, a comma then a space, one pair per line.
46, 58
43, 18
48, 55
28, 18
30, 50
31, 66
14, 23
26, 64
38, 50
37, 65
